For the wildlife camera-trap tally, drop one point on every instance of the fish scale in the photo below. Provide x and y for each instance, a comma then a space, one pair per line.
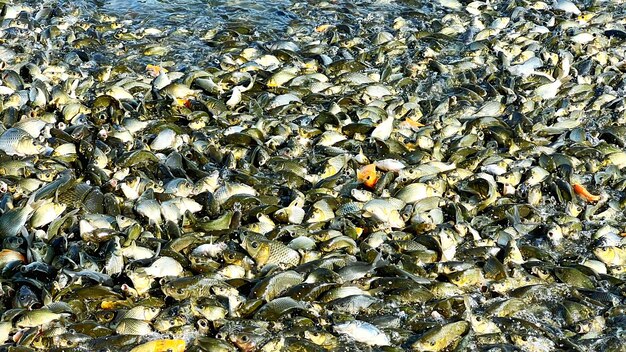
16, 141
275, 285
74, 195
264, 251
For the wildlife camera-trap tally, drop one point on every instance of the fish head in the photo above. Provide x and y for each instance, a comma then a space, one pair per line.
258, 248
178, 289
368, 175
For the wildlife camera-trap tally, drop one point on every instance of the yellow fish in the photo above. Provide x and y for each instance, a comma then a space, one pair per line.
176, 345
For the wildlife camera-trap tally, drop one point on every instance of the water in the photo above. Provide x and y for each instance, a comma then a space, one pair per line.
190, 28
194, 14
186, 26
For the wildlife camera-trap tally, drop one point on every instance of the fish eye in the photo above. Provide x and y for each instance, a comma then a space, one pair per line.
220, 336
432, 343
180, 291
254, 244
245, 338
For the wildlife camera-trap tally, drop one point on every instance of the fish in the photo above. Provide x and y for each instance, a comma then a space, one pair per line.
265, 251
130, 326
583, 193
13, 220
155, 70
164, 266
363, 332
383, 131
223, 193
7, 256
611, 255
300, 181
566, 6
196, 286
368, 175
441, 337
16, 141
174, 345
38, 317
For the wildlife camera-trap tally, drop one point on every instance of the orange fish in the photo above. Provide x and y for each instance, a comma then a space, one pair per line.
368, 175
583, 193
155, 70
183, 102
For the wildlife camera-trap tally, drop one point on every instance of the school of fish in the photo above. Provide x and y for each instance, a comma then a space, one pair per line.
385, 176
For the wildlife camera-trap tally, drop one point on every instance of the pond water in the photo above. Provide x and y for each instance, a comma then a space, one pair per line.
188, 26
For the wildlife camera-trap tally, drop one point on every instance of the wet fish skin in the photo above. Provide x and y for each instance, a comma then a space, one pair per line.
265, 251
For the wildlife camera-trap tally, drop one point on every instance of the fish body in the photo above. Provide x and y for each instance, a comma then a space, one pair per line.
223, 193
172, 345
265, 251
566, 6
38, 317
12, 221
363, 332
382, 132
16, 141
584, 194
368, 175
439, 338
197, 286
